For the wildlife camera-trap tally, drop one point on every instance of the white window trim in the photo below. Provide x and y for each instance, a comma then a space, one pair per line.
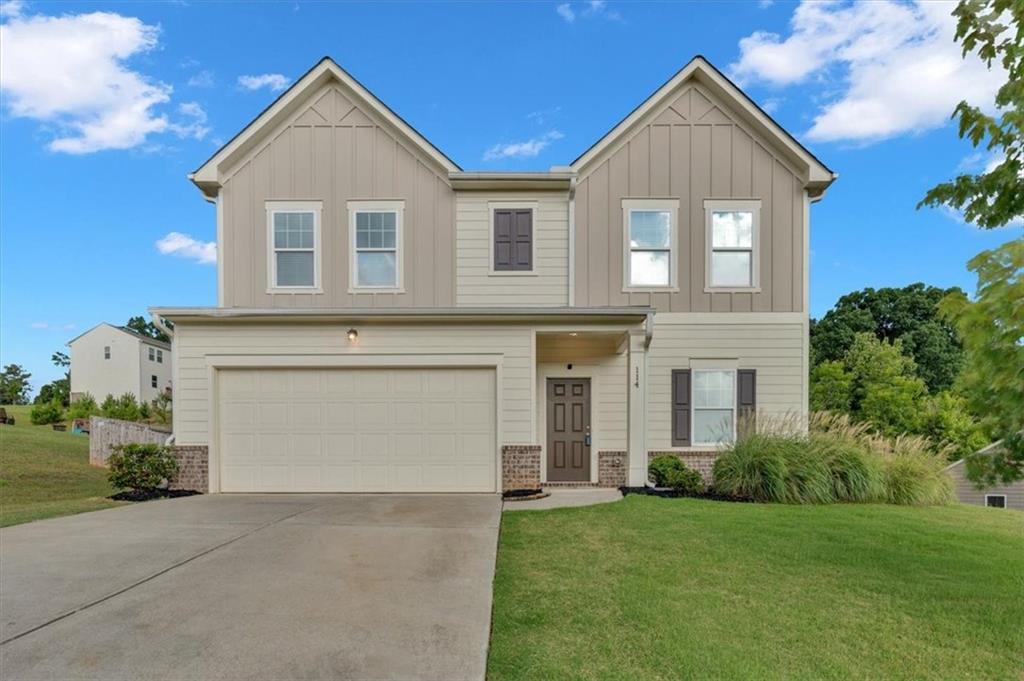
752, 205
1005, 500
371, 206
154, 382
316, 208
159, 356
633, 205
492, 206
697, 366
152, 354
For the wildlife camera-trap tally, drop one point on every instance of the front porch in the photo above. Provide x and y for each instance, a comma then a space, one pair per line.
588, 411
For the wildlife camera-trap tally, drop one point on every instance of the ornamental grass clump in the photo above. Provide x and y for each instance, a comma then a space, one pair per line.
913, 474
754, 468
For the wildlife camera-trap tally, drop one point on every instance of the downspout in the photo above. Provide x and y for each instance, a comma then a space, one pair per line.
572, 241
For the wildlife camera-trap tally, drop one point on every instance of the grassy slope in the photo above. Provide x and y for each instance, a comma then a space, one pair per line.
653, 588
44, 473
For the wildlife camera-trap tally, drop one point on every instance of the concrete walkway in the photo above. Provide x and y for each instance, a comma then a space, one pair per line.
566, 497
253, 587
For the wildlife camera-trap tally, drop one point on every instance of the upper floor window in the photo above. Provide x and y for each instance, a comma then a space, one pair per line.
732, 240
512, 238
294, 252
152, 354
159, 356
106, 352
376, 245
650, 257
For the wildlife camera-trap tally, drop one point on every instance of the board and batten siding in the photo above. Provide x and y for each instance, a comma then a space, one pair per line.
477, 286
334, 151
195, 342
691, 148
774, 350
967, 493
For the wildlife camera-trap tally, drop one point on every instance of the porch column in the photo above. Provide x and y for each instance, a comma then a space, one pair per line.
637, 426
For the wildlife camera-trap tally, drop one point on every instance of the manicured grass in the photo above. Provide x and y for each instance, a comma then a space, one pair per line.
44, 473
651, 588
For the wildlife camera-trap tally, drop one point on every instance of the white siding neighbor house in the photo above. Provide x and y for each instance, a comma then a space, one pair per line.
390, 322
114, 360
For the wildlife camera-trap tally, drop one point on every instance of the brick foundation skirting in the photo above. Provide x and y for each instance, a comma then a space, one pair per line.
193, 468
612, 469
520, 467
702, 462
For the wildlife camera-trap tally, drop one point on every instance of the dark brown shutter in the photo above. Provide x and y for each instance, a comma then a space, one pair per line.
746, 401
680, 407
513, 239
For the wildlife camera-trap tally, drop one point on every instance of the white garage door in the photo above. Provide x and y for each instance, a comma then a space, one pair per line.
357, 430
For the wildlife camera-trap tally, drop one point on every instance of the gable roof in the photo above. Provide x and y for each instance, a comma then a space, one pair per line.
124, 329
819, 176
207, 177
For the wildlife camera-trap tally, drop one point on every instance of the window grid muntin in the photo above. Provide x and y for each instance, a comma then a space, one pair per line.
298, 229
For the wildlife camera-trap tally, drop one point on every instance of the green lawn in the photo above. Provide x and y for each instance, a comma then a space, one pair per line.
44, 473
651, 588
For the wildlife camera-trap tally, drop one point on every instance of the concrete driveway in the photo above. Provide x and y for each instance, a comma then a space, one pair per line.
253, 587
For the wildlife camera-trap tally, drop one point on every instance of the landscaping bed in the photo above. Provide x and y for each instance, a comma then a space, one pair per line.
151, 494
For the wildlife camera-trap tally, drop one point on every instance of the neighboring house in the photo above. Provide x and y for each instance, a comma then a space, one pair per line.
389, 322
996, 496
113, 360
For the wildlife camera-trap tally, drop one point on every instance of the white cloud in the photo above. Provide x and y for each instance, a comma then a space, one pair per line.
527, 149
765, 4
591, 8
70, 71
274, 81
47, 326
11, 8
202, 79
897, 66
196, 128
184, 246
771, 105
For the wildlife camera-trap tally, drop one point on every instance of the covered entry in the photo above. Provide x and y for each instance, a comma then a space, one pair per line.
357, 430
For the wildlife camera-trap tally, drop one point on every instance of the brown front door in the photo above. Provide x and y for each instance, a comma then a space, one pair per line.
569, 429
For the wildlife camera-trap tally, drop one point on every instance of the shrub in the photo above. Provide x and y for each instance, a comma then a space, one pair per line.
47, 412
124, 407
754, 468
912, 474
669, 471
808, 478
141, 466
855, 471
84, 407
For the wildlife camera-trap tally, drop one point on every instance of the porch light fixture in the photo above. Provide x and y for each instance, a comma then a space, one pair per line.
353, 335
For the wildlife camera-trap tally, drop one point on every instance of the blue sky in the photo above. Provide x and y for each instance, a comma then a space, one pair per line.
107, 106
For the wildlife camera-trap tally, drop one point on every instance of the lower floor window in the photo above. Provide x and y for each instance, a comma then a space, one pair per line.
153, 381
995, 500
714, 406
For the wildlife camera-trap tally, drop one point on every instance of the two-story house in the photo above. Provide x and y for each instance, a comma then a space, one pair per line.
114, 360
387, 321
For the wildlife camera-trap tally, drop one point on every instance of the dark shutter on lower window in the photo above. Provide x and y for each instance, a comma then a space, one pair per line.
680, 407
513, 240
746, 401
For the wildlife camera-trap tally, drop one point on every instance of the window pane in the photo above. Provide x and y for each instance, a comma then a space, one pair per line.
995, 501
713, 389
730, 268
293, 230
648, 268
649, 229
712, 425
295, 268
732, 229
375, 269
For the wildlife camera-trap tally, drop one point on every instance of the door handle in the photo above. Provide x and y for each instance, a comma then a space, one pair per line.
586, 440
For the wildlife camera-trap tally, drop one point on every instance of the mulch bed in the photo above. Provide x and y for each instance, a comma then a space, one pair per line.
150, 494
668, 493
524, 494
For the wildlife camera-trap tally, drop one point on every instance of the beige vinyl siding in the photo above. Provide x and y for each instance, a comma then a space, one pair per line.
195, 342
967, 493
774, 350
691, 148
333, 151
478, 287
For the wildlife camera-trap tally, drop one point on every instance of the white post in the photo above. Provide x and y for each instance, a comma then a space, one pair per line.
637, 410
